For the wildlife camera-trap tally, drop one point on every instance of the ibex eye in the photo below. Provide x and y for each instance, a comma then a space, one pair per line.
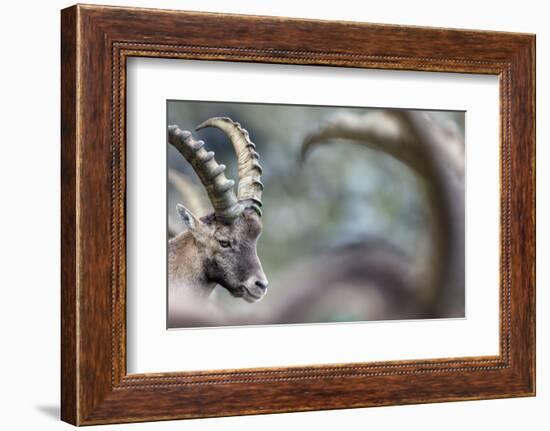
224, 243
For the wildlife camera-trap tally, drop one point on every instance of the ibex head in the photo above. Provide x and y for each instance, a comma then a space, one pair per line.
226, 239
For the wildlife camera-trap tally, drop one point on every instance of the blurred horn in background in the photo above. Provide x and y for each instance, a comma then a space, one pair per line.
189, 193
436, 155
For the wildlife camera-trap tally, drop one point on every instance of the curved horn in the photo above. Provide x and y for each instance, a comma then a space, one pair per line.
385, 131
219, 188
250, 170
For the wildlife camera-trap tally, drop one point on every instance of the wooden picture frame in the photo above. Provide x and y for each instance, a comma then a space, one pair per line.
95, 43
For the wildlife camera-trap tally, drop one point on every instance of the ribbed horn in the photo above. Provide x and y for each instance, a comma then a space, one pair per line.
250, 186
219, 188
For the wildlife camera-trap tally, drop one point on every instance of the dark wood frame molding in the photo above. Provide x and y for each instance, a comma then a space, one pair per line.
95, 43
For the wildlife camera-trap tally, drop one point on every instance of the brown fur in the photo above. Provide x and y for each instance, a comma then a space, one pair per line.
210, 253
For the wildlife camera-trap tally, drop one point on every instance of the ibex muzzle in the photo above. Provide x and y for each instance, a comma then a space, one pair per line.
219, 248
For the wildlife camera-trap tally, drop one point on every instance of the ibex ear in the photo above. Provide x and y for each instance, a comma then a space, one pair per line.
190, 220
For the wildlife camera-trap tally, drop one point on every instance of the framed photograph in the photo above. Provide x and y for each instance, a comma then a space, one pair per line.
263, 214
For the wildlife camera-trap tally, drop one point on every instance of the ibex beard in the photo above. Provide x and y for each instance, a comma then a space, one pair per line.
219, 248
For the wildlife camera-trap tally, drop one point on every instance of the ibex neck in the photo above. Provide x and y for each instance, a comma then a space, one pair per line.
186, 272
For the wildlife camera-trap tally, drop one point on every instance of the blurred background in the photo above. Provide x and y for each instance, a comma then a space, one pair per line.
349, 231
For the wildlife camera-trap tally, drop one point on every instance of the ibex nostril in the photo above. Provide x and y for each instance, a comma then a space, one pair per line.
261, 284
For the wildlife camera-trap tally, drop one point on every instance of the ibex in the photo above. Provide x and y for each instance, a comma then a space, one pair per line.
219, 248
